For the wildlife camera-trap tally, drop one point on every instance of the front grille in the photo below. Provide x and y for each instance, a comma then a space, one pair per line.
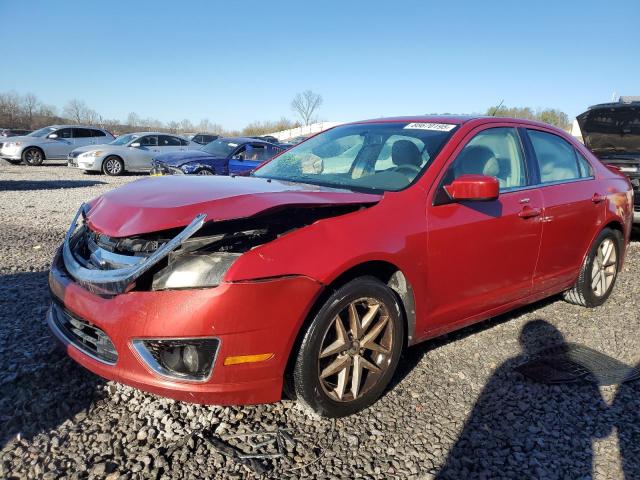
84, 335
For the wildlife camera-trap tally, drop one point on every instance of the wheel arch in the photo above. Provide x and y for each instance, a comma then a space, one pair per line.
40, 149
387, 273
124, 163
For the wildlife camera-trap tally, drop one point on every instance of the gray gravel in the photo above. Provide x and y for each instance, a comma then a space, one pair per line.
456, 409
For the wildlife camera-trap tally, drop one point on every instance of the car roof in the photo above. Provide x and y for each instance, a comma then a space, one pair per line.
75, 126
455, 119
154, 133
243, 140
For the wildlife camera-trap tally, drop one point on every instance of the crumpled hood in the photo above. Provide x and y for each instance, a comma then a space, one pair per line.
176, 159
611, 130
162, 203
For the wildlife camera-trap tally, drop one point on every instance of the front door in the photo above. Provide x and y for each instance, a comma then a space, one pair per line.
482, 254
61, 146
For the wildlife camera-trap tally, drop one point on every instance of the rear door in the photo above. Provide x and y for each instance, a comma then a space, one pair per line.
574, 208
483, 254
99, 137
83, 137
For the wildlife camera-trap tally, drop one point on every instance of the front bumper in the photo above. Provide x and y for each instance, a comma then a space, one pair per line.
93, 163
11, 153
248, 318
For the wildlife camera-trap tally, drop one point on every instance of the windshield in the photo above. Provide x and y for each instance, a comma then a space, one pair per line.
372, 156
220, 148
124, 139
42, 132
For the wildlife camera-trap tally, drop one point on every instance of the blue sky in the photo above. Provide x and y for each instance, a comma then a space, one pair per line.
239, 61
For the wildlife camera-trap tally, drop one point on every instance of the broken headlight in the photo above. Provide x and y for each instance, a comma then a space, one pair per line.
193, 270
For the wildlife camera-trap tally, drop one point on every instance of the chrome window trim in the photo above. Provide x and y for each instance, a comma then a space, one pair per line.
546, 184
67, 341
116, 281
152, 364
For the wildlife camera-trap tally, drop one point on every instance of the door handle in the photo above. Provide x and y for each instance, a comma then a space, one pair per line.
597, 198
528, 212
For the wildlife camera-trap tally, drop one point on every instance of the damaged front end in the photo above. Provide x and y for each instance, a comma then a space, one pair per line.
197, 256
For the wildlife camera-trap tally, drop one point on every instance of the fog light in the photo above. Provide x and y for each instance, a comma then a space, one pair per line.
182, 359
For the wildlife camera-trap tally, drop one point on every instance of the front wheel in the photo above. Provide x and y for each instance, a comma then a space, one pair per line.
113, 166
204, 171
350, 350
32, 156
599, 271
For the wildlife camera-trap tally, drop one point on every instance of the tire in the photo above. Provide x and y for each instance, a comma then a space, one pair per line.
32, 156
596, 280
204, 171
353, 352
113, 166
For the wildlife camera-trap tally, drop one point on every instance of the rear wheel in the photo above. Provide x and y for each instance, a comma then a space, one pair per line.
599, 271
351, 349
113, 166
33, 156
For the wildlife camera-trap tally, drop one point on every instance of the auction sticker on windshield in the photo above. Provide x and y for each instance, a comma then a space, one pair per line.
440, 127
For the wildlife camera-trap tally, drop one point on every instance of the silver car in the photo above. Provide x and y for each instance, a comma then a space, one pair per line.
51, 143
130, 152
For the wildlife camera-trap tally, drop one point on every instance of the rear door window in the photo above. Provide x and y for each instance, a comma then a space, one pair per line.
98, 133
82, 133
168, 141
557, 159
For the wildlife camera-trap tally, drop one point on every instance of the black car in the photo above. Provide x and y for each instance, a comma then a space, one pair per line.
204, 138
612, 132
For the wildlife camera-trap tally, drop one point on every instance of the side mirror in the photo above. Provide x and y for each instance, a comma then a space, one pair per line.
474, 187
52, 136
135, 144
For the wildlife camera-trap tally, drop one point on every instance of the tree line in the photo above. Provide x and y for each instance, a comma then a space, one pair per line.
29, 112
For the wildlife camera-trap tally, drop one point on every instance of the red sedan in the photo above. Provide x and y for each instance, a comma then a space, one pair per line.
320, 267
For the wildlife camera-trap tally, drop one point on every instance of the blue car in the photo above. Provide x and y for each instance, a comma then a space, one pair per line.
224, 156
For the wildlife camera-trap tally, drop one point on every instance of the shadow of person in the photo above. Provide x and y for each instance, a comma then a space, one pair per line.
626, 410
521, 429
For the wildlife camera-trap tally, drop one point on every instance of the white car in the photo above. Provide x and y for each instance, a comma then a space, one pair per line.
51, 143
130, 152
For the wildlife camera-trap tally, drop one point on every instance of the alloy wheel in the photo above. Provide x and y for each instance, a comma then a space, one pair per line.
112, 166
605, 267
356, 350
33, 156
204, 172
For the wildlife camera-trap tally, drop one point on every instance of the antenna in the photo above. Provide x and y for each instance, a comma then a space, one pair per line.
495, 110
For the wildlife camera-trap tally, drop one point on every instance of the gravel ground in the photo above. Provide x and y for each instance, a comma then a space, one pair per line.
456, 408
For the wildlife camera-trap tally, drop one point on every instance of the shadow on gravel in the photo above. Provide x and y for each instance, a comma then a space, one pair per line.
525, 429
412, 356
22, 185
40, 387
